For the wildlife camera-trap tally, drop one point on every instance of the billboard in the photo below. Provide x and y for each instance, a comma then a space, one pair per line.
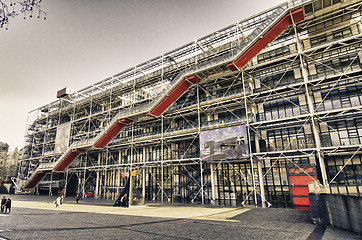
224, 144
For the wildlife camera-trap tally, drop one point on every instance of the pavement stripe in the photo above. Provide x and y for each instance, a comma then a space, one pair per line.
215, 214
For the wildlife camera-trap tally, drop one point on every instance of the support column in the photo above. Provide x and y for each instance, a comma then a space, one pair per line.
113, 184
79, 175
66, 183
119, 174
96, 191
130, 171
162, 176
249, 138
144, 185
118, 183
144, 176
213, 190
84, 177
50, 184
105, 178
201, 164
311, 110
260, 171
130, 188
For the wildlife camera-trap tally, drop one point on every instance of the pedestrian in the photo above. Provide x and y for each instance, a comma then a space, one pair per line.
78, 197
8, 205
57, 202
61, 199
3, 202
124, 200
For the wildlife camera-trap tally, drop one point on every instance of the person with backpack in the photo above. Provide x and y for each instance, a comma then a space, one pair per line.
8, 205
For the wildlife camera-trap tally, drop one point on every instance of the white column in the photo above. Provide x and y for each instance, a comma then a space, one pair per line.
96, 191
260, 171
213, 190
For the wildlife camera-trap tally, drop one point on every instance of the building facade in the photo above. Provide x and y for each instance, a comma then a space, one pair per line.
4, 148
225, 120
9, 169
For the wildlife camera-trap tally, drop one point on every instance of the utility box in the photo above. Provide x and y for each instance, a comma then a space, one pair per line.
63, 92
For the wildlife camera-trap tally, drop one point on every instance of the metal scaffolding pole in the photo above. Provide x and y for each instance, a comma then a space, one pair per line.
105, 178
96, 191
260, 171
50, 184
162, 154
130, 170
84, 177
213, 190
66, 183
199, 130
311, 108
249, 138
143, 185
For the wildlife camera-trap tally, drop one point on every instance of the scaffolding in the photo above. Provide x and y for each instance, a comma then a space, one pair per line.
290, 75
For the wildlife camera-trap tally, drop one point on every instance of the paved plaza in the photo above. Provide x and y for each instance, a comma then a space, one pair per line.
36, 217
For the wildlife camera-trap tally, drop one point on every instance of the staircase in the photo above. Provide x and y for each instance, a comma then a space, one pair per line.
268, 25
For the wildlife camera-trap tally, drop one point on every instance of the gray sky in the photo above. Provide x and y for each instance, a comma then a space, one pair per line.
84, 41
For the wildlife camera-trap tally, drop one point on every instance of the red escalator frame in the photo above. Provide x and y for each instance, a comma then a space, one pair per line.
174, 95
112, 132
68, 159
35, 180
268, 37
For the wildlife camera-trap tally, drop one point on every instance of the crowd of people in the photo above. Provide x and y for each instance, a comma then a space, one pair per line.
5, 205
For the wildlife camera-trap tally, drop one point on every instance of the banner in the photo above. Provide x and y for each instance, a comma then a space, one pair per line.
62, 138
224, 143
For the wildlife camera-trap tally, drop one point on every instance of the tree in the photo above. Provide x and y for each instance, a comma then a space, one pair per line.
12, 8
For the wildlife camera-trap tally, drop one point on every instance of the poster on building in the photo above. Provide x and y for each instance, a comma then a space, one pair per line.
224, 144
62, 138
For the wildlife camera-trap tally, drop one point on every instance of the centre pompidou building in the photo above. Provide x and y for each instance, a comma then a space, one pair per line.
234, 117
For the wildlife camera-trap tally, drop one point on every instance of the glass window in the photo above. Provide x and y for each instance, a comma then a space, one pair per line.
281, 113
289, 111
355, 101
336, 104
335, 138
308, 8
318, 40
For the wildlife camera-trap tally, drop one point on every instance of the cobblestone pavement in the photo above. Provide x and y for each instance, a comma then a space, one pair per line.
36, 217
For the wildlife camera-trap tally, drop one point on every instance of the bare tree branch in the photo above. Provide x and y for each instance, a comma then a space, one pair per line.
11, 8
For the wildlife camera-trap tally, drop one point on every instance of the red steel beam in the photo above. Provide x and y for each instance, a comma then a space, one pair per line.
268, 37
174, 95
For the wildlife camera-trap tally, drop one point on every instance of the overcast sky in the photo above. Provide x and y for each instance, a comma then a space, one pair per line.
84, 41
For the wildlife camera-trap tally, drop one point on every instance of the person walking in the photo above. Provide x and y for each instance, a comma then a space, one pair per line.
57, 202
8, 205
78, 197
3, 202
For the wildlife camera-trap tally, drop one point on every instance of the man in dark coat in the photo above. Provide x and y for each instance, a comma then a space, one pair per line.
8, 205
3, 202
